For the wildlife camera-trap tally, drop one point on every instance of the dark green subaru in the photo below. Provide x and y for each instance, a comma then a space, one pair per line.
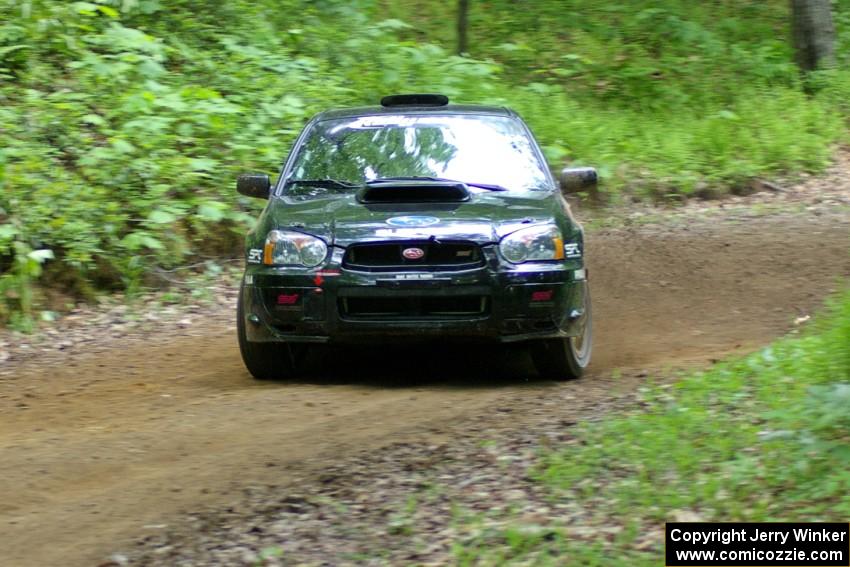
415, 220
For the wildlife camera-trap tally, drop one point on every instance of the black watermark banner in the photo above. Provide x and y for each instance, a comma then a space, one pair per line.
697, 544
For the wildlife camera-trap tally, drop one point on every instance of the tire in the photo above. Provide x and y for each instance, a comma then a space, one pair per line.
565, 358
266, 361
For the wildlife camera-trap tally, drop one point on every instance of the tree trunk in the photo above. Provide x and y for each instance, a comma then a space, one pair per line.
462, 25
814, 33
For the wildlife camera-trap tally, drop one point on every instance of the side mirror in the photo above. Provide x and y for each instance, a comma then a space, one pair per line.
575, 179
254, 185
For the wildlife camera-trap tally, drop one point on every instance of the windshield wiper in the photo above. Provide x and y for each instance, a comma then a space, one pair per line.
324, 183
487, 186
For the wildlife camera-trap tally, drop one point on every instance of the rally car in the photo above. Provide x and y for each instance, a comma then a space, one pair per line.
415, 220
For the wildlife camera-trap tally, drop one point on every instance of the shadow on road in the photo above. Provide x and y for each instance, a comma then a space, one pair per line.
437, 364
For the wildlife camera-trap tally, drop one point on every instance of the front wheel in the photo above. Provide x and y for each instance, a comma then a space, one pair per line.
266, 361
565, 358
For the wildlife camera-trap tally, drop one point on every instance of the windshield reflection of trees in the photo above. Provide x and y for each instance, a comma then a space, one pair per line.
479, 149
359, 155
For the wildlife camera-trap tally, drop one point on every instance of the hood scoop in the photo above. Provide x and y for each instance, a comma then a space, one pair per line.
419, 191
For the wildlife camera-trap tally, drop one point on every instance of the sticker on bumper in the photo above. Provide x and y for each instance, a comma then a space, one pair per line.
572, 250
255, 256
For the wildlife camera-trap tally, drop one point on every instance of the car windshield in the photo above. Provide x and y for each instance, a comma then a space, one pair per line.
480, 150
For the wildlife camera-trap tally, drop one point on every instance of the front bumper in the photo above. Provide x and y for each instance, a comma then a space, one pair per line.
334, 305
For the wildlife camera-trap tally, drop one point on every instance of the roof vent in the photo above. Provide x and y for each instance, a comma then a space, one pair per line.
415, 100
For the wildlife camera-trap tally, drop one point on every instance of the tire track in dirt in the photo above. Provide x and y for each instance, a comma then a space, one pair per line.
94, 449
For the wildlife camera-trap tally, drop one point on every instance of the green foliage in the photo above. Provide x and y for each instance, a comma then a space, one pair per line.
727, 442
665, 97
638, 54
762, 438
124, 122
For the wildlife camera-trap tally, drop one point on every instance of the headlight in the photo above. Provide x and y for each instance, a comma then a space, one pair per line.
533, 244
287, 248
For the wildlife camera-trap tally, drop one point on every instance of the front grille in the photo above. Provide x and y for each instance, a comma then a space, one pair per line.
389, 256
414, 307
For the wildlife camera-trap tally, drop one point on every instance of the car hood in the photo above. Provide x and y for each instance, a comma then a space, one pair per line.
342, 220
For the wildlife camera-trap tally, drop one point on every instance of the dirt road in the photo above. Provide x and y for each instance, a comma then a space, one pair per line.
103, 445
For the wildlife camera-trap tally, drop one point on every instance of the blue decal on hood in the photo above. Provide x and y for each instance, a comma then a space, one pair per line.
412, 221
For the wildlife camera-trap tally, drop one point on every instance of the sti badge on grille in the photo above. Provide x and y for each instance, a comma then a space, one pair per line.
413, 253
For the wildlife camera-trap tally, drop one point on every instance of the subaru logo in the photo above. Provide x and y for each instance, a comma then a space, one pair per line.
412, 221
413, 253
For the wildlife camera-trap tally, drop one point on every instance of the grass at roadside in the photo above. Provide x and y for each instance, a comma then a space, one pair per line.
761, 438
